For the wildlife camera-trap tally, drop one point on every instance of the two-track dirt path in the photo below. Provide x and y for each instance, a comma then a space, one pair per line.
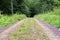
53, 33
4, 34
39, 31
35, 32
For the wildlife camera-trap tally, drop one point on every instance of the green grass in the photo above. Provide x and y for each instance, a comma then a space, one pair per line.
8, 20
53, 18
24, 29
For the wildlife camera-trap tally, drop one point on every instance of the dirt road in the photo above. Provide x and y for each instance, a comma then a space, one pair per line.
35, 30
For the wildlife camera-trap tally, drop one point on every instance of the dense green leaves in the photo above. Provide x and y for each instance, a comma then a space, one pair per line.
52, 18
8, 20
28, 7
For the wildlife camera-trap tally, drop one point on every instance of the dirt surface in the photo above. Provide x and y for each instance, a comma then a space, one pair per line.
4, 34
36, 33
8, 26
2, 29
59, 28
35, 30
53, 33
32, 31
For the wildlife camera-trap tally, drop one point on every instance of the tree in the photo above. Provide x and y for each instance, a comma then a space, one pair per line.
28, 7
12, 6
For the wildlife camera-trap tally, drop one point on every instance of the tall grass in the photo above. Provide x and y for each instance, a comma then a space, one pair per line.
53, 17
8, 20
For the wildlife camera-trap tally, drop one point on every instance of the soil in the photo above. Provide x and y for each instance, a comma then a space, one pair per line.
8, 31
53, 33
39, 31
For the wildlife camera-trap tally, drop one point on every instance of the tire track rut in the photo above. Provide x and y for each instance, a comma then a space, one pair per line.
4, 35
53, 33
35, 33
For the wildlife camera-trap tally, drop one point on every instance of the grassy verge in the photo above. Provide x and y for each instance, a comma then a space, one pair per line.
8, 20
53, 18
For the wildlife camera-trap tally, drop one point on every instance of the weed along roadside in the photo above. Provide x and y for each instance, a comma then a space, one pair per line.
6, 20
5, 34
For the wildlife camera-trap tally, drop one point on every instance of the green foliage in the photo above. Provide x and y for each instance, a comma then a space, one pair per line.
52, 18
56, 3
55, 12
25, 6
29, 7
8, 20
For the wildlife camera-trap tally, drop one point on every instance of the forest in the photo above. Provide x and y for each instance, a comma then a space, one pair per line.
28, 7
48, 9
29, 19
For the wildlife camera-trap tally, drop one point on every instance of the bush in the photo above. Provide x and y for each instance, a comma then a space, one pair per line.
52, 17
8, 20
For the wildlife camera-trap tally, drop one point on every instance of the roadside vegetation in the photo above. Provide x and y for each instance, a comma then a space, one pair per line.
6, 20
52, 18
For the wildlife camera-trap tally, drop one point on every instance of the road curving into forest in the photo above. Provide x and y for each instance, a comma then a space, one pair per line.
34, 29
